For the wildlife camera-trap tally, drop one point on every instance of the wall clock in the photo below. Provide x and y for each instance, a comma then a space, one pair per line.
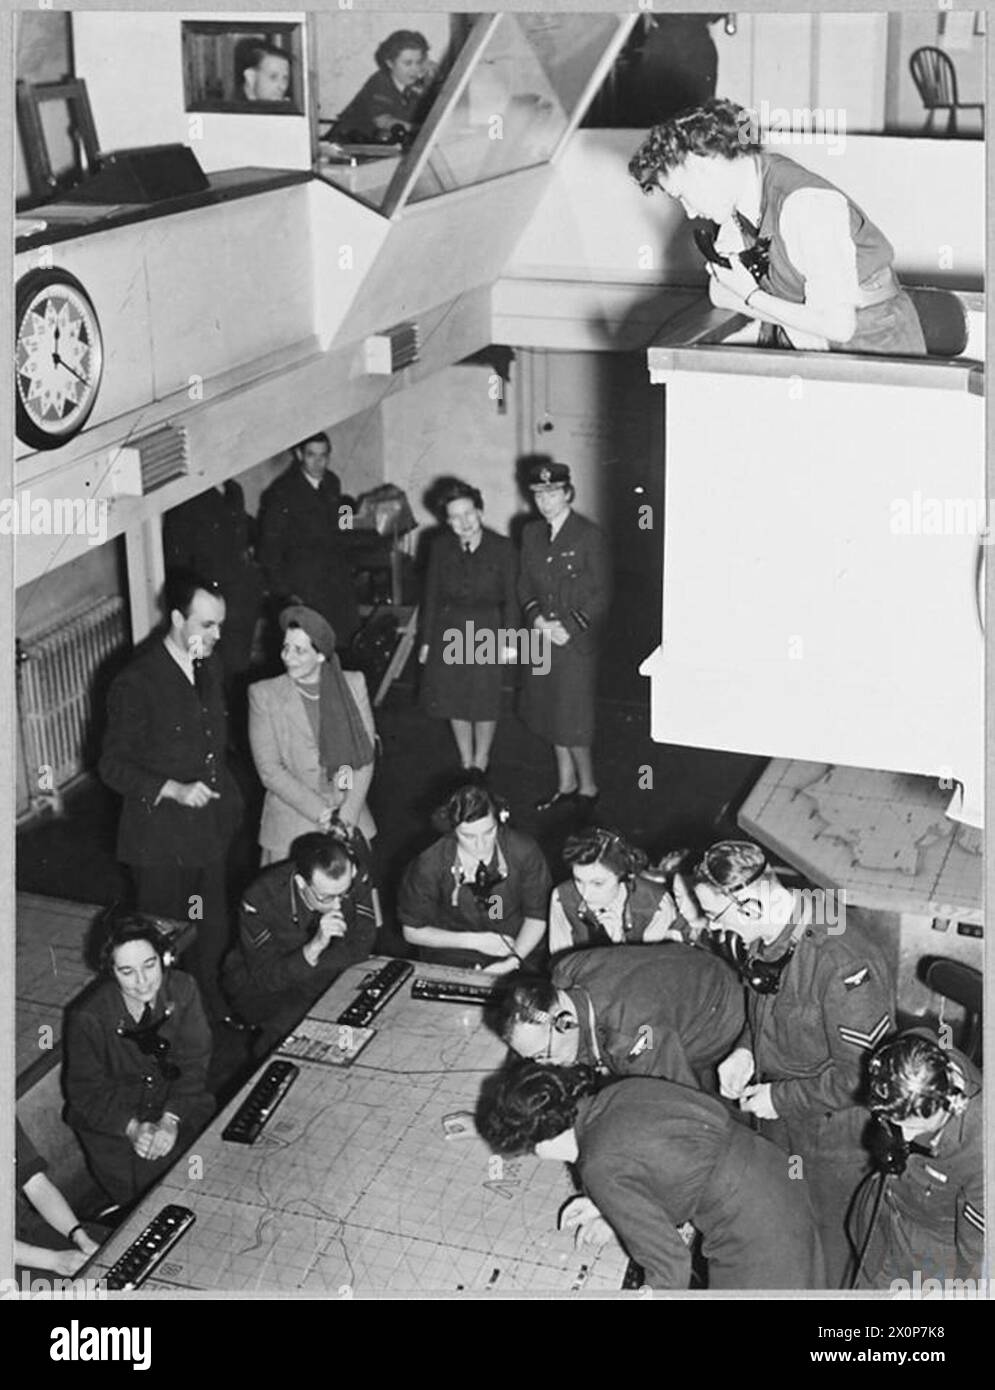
58, 358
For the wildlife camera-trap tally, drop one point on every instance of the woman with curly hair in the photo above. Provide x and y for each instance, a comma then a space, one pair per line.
478, 897
608, 900
652, 1156
792, 251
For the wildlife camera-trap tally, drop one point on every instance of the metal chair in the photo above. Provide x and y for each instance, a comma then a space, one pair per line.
935, 77
954, 980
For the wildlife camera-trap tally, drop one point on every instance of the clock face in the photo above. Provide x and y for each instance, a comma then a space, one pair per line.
58, 358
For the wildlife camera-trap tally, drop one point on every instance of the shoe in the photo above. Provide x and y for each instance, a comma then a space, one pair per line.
586, 804
474, 776
556, 799
238, 1024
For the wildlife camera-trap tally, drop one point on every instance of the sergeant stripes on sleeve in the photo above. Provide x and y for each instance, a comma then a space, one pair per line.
866, 1040
976, 1218
580, 618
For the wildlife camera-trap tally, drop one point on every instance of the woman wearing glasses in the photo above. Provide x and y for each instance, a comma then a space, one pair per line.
651, 1156
792, 252
820, 997
137, 1052
608, 900
479, 896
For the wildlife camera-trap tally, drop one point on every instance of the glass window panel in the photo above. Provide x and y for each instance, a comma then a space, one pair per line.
508, 117
372, 99
569, 46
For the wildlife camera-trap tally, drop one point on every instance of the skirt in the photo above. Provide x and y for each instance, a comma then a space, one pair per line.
558, 705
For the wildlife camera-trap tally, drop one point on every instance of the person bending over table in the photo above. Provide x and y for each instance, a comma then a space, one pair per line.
478, 897
300, 925
137, 1053
802, 259
652, 1156
670, 1011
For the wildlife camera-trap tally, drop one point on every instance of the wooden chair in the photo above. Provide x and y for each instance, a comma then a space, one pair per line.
935, 77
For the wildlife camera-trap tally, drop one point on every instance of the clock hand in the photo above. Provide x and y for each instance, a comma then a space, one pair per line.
58, 362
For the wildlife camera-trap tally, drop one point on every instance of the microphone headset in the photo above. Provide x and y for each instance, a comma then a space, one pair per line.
750, 865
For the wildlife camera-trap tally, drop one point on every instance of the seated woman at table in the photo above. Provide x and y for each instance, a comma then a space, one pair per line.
312, 737
395, 99
652, 1156
137, 1051
802, 259
608, 900
478, 897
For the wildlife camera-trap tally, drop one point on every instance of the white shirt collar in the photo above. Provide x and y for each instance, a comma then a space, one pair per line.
183, 659
557, 526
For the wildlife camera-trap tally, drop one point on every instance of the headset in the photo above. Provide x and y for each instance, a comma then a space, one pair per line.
910, 1075
134, 926
561, 1022
762, 976
755, 258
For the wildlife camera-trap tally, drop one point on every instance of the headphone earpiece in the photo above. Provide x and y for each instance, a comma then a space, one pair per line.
564, 1022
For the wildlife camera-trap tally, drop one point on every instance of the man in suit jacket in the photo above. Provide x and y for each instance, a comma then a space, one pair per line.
565, 590
164, 753
301, 545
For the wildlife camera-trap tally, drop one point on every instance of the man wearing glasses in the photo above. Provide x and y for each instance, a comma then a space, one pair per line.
668, 1011
301, 924
820, 997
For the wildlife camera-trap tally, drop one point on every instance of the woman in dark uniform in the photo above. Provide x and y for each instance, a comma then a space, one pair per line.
565, 589
469, 591
397, 95
652, 1156
478, 896
804, 261
137, 1053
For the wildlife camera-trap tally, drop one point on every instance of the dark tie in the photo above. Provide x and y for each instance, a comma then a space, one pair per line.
199, 677
549, 533
467, 548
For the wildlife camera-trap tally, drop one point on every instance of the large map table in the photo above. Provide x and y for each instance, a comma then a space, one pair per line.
353, 1187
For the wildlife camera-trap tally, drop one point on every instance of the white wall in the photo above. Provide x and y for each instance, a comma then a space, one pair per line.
839, 639
807, 60
133, 68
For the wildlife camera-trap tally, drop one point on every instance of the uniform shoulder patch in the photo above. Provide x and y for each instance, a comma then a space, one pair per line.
247, 906
858, 977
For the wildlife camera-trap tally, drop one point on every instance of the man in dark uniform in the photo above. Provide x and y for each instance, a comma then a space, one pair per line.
300, 925
209, 534
301, 546
821, 996
564, 587
652, 1156
932, 1213
164, 753
668, 1011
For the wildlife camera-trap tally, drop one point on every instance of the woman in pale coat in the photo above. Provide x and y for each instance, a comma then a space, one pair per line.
312, 736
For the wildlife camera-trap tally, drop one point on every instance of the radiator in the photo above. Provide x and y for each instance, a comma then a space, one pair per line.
56, 669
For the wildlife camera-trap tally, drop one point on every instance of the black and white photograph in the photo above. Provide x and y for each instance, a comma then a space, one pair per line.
497, 530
